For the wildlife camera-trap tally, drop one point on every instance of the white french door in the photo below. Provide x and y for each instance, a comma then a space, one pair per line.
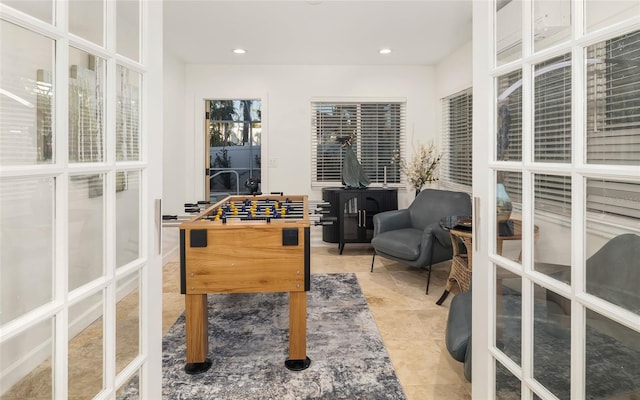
80, 169
557, 112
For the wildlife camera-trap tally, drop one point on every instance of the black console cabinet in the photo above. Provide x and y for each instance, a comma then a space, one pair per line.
354, 210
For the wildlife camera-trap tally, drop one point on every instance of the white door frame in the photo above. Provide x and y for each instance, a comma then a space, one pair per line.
149, 264
484, 145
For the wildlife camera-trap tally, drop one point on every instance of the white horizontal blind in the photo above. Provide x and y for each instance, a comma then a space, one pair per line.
379, 131
552, 132
457, 138
614, 198
552, 115
128, 115
613, 121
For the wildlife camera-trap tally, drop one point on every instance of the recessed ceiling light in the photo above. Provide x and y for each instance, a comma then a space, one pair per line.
239, 51
384, 51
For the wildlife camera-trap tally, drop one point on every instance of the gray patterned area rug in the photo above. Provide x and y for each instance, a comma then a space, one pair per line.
248, 344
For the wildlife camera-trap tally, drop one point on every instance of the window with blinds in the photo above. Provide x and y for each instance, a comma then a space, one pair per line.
612, 124
379, 131
457, 139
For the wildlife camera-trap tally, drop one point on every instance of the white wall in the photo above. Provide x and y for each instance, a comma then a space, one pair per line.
174, 133
455, 73
286, 92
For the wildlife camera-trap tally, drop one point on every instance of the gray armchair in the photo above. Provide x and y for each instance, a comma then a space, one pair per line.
413, 236
612, 273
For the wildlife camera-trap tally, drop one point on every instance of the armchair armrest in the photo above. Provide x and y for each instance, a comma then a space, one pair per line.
391, 220
438, 233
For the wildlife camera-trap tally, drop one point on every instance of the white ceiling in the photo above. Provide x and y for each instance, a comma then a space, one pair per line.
295, 32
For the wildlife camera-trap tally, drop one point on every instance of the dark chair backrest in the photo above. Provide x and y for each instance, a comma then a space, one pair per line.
613, 272
431, 205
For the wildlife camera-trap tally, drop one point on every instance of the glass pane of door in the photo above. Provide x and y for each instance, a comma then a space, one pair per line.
27, 102
552, 341
508, 31
42, 9
127, 320
27, 217
552, 217
612, 350
86, 347
509, 215
128, 208
235, 159
613, 114
551, 22
36, 383
509, 117
508, 314
130, 390
552, 110
128, 28
507, 385
86, 19
601, 13
86, 229
351, 218
86, 107
128, 114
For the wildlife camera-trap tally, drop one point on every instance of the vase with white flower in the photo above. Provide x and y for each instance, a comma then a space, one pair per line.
422, 167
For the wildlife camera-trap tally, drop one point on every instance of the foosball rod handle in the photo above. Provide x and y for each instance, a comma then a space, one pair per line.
326, 221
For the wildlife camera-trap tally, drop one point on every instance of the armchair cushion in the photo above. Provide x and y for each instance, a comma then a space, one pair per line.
401, 243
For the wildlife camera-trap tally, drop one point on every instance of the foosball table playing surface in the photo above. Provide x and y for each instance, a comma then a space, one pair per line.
246, 244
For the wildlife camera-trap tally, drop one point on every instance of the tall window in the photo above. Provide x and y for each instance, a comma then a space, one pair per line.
379, 131
457, 138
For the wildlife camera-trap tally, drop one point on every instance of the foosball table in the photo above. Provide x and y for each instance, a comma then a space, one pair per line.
246, 244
